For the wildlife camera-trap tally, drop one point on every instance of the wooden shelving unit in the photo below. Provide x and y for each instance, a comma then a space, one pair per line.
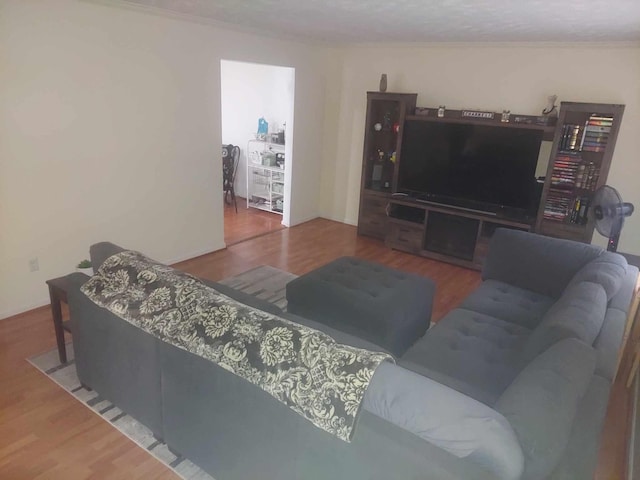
448, 234
583, 135
581, 155
382, 139
530, 122
265, 182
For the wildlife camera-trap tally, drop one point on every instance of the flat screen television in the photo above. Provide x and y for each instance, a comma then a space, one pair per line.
483, 167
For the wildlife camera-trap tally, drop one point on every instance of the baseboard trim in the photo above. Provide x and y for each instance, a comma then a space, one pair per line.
45, 301
192, 255
334, 218
24, 309
299, 221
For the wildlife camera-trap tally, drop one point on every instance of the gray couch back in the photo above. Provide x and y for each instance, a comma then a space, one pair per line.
410, 427
220, 421
541, 264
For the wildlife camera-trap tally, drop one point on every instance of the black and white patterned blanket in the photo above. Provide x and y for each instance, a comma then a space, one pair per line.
303, 368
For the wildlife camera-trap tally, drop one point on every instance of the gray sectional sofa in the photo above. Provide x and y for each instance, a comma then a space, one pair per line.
513, 384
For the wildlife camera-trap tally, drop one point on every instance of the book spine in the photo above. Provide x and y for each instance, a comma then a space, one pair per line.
584, 209
584, 133
573, 141
597, 128
580, 176
575, 210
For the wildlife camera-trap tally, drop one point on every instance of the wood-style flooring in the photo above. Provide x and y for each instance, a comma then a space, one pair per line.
248, 223
46, 434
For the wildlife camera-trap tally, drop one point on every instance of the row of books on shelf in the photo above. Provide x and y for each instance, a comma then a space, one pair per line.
571, 171
590, 137
566, 209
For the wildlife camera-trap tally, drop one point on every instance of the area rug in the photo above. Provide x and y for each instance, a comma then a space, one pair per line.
265, 282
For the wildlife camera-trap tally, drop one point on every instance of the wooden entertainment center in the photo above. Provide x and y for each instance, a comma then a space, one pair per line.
583, 143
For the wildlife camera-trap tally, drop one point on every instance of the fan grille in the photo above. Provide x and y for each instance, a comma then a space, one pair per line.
607, 205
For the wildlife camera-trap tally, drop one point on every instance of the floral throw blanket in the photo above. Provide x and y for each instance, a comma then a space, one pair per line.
301, 367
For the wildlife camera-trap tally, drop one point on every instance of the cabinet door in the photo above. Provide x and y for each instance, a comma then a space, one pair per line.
580, 159
372, 220
383, 138
405, 237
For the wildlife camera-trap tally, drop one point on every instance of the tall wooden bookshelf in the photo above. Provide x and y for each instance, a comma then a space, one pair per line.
381, 155
581, 155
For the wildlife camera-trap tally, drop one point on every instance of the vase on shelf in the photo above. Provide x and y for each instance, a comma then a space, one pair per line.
383, 82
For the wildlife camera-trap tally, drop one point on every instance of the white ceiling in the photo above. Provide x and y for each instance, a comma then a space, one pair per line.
367, 21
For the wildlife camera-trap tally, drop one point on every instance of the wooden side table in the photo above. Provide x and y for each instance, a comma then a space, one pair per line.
58, 293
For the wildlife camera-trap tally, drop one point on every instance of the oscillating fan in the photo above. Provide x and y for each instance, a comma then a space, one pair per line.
609, 213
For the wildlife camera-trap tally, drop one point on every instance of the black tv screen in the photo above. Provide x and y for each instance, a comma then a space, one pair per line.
485, 167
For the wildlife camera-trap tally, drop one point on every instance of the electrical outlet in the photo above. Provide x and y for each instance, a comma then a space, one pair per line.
34, 266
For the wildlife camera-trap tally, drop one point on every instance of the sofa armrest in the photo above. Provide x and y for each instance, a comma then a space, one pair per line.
542, 264
446, 418
541, 403
75, 280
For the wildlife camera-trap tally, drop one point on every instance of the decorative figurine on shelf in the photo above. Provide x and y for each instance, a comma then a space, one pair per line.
505, 116
549, 113
377, 127
380, 156
263, 128
383, 82
396, 127
441, 109
386, 121
551, 110
392, 157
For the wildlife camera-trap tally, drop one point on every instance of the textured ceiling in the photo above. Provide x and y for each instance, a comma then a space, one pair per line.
365, 21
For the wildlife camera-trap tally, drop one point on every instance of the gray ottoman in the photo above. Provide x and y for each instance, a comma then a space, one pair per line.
377, 303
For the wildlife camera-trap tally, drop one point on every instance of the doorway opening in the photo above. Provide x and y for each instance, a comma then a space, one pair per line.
257, 130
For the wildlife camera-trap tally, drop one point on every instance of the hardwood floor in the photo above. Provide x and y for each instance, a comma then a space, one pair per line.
46, 433
248, 223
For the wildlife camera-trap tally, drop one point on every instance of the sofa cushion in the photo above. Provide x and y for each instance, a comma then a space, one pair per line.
608, 270
509, 303
473, 391
453, 421
542, 401
535, 262
474, 348
579, 313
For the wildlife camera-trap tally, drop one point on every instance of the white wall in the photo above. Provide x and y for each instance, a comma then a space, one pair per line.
250, 91
517, 78
110, 130
110, 125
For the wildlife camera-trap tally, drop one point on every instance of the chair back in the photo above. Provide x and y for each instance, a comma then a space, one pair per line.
230, 159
